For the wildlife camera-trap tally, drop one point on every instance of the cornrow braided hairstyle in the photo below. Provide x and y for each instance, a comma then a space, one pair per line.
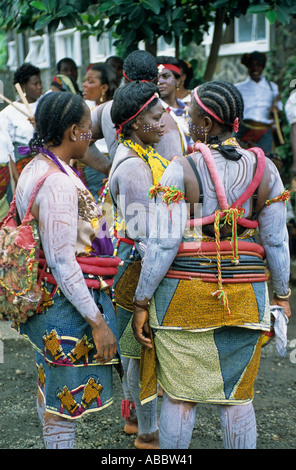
140, 65
224, 99
55, 112
127, 101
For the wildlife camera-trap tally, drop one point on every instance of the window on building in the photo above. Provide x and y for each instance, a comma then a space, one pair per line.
244, 34
12, 55
38, 54
250, 28
100, 50
68, 44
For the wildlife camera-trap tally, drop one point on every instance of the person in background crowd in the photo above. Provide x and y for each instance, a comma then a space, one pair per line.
290, 110
68, 67
5, 186
184, 93
261, 99
15, 124
100, 83
169, 78
62, 82
98, 87
117, 64
202, 304
138, 65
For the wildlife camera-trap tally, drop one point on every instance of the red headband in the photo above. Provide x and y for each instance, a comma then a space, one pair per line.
155, 95
171, 67
235, 124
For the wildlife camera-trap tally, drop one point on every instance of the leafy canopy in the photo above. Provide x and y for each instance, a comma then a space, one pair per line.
134, 21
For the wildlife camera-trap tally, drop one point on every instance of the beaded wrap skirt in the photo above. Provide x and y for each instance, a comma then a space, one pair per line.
202, 352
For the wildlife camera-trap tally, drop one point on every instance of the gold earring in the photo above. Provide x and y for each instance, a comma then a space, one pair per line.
206, 137
102, 97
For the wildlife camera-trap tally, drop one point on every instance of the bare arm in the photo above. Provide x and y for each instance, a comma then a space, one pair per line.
274, 238
163, 244
97, 160
293, 146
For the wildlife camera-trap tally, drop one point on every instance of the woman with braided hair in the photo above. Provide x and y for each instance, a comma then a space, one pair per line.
137, 115
74, 332
201, 304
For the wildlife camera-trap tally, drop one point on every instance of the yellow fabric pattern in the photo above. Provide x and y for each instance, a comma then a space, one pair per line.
206, 312
246, 385
156, 163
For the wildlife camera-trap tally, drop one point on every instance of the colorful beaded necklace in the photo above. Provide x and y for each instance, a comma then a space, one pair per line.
156, 163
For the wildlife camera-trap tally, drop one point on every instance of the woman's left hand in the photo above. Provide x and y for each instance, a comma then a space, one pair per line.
141, 328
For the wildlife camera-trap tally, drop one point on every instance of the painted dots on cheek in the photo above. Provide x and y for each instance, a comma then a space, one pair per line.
86, 135
151, 127
195, 129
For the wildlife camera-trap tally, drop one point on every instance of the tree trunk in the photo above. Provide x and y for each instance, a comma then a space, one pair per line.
152, 48
215, 46
177, 47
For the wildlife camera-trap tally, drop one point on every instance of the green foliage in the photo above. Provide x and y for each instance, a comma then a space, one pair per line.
288, 86
280, 10
3, 52
133, 21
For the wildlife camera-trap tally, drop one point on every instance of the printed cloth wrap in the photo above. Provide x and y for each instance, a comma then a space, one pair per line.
71, 382
197, 336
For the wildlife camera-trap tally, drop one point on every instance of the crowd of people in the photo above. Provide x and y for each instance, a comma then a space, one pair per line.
173, 292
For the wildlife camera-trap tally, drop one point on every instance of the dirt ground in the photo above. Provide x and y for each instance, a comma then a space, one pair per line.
275, 403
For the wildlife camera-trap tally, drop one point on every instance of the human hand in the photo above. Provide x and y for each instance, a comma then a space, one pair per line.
31, 119
283, 303
105, 341
140, 325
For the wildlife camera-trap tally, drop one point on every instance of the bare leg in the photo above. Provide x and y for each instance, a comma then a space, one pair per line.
130, 415
40, 406
177, 420
58, 433
238, 426
146, 414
